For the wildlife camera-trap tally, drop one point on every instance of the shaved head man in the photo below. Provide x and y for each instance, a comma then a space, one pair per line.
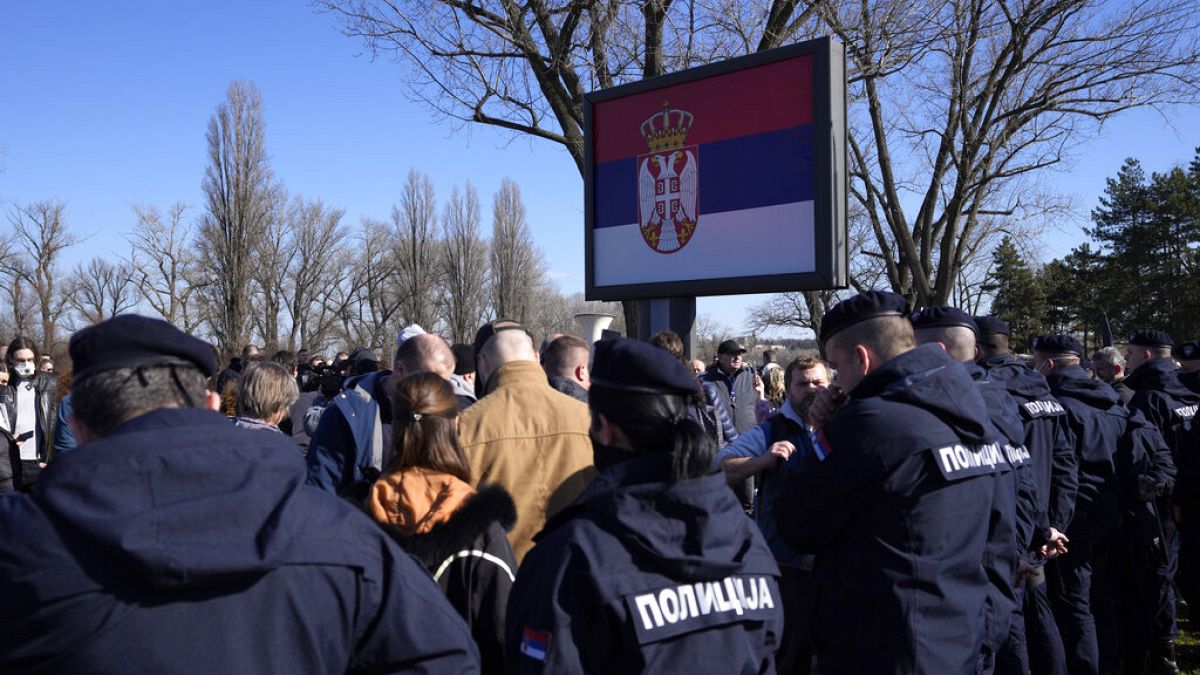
522, 434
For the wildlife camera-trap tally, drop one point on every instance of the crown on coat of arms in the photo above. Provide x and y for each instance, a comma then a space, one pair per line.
668, 129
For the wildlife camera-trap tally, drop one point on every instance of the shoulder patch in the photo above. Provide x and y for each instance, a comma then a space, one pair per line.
535, 643
670, 611
960, 461
1186, 412
1035, 409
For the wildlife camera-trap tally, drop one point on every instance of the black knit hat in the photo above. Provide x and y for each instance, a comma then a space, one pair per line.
861, 307
131, 341
942, 317
992, 325
1057, 344
1148, 337
624, 364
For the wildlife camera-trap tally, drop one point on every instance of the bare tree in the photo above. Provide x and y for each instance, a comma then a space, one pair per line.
415, 220
39, 236
273, 256
164, 264
101, 290
12, 271
240, 198
464, 264
516, 266
368, 303
952, 101
315, 272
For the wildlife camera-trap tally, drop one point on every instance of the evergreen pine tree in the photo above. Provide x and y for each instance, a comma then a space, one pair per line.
1019, 298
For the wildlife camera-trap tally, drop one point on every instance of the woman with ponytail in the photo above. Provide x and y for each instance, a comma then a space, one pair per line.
425, 501
655, 567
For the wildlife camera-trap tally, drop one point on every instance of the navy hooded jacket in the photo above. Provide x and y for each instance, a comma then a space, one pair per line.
1014, 508
898, 514
1170, 406
1048, 440
183, 544
1113, 450
641, 574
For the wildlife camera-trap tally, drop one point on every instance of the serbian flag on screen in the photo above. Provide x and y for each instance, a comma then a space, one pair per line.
709, 178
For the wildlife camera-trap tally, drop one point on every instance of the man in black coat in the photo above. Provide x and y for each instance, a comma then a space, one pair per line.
1051, 448
896, 500
1119, 478
176, 542
1170, 406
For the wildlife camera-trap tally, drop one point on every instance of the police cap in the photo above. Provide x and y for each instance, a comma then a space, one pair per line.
624, 364
942, 317
869, 305
731, 347
132, 341
992, 325
1188, 351
1148, 337
1057, 344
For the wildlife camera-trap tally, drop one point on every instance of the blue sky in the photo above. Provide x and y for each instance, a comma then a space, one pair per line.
105, 105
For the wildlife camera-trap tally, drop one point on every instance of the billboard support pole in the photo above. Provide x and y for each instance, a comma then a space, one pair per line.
677, 314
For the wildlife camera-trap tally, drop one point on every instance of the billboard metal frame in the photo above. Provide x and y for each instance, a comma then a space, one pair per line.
829, 175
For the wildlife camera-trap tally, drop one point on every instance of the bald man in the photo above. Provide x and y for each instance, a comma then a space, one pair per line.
351, 443
522, 434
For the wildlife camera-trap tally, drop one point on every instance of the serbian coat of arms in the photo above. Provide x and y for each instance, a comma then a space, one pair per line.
668, 181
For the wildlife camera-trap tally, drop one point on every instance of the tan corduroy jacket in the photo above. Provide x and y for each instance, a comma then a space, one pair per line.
531, 440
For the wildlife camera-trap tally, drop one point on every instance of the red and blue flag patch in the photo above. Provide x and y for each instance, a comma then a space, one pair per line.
534, 643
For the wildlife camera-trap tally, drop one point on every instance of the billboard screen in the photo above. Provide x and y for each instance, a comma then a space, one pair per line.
729, 178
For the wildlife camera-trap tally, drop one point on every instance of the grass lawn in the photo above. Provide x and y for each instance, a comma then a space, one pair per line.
1187, 645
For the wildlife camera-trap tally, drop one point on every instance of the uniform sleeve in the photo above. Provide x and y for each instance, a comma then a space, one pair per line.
819, 497
1030, 524
410, 626
1064, 477
330, 455
1161, 471
554, 622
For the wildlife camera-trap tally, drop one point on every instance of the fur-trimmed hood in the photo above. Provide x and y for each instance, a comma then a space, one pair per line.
491, 504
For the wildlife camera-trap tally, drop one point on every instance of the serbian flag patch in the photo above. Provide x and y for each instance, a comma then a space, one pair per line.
534, 643
821, 445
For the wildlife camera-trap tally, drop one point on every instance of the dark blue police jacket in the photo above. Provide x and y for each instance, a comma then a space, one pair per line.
640, 574
183, 544
1110, 458
1014, 507
898, 514
1170, 406
1047, 438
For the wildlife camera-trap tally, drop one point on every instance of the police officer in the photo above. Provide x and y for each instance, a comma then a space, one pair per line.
1188, 354
1116, 477
174, 542
896, 499
1055, 471
1123, 465
1016, 499
1169, 405
655, 567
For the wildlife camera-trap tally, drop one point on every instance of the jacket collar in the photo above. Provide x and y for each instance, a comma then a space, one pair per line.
517, 373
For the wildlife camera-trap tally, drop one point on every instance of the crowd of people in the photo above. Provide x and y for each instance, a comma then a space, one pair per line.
920, 500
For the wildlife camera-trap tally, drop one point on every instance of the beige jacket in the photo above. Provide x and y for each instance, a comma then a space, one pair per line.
532, 441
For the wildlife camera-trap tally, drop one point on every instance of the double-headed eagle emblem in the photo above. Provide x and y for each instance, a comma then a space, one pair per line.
668, 181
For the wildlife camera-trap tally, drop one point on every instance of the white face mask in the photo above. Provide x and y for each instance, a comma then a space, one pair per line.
24, 369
